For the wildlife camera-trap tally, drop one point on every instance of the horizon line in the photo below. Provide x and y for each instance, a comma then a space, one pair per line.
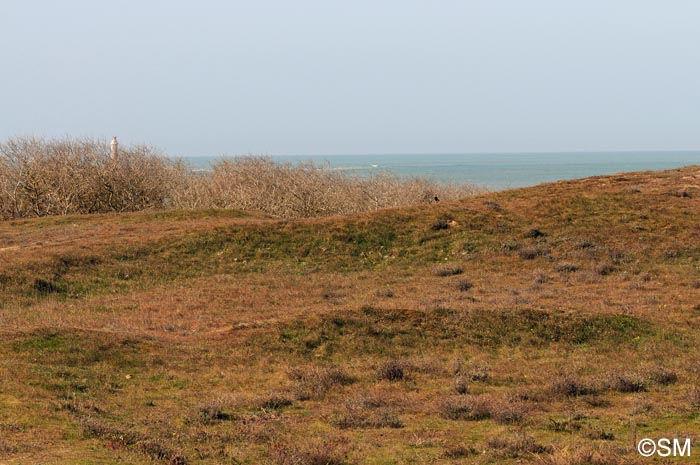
534, 152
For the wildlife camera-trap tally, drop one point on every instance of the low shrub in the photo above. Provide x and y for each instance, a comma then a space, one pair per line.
447, 270
314, 382
328, 452
569, 385
529, 252
384, 293
463, 285
517, 445
626, 382
566, 267
392, 370
275, 401
469, 407
367, 412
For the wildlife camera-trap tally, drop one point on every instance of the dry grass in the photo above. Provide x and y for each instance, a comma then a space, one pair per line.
225, 337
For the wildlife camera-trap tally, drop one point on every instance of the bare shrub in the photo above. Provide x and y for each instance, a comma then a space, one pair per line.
505, 410
479, 371
393, 370
566, 267
661, 375
463, 285
306, 189
604, 268
314, 382
588, 456
570, 385
529, 252
329, 452
440, 223
471, 407
516, 445
274, 401
534, 233
599, 433
540, 277
384, 293
508, 410
448, 270
367, 411
67, 176
459, 452
510, 245
626, 382
212, 412
97, 428
59, 177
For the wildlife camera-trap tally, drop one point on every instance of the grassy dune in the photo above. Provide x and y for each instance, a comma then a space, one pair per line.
547, 325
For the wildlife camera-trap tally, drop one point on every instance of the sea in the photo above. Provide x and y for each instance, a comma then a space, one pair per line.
495, 171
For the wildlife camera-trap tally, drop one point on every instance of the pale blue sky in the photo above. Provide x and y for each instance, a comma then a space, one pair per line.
364, 76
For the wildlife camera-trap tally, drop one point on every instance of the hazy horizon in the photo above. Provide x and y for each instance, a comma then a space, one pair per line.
396, 77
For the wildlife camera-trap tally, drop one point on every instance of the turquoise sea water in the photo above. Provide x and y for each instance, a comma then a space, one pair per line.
493, 170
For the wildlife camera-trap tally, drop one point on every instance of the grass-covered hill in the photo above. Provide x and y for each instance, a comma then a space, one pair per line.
549, 325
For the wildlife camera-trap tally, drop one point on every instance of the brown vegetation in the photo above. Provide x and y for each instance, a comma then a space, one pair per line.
69, 176
216, 336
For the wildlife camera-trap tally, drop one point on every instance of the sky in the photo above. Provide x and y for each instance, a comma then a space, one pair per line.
313, 77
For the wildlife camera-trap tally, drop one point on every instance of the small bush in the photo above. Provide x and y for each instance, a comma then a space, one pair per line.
212, 412
529, 252
384, 293
587, 456
508, 411
600, 434
470, 407
604, 268
510, 245
329, 452
586, 244
440, 223
367, 412
517, 445
392, 370
534, 233
571, 386
463, 285
459, 452
447, 270
314, 382
662, 376
275, 401
540, 277
566, 425
596, 401
626, 382
492, 204
566, 267
480, 372
45, 287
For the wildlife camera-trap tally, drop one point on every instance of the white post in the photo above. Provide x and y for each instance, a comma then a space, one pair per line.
114, 148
